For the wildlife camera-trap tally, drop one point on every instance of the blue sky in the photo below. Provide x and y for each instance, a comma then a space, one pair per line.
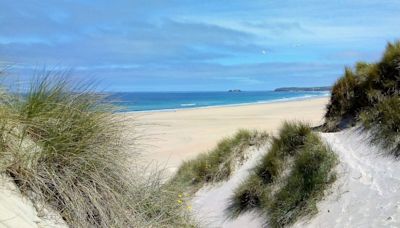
160, 45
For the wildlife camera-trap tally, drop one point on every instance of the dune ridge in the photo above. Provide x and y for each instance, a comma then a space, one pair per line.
365, 193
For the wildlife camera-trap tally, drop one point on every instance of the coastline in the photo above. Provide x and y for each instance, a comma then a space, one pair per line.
170, 137
282, 100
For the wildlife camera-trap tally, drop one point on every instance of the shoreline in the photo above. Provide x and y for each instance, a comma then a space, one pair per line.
170, 137
282, 100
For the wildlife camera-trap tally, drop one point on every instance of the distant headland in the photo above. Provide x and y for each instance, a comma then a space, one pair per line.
234, 90
303, 89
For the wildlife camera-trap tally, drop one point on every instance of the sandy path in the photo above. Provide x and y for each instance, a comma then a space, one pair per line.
174, 136
367, 192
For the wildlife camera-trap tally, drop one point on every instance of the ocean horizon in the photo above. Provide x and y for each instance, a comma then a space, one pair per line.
168, 101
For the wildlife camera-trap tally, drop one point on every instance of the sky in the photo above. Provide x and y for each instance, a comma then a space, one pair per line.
192, 45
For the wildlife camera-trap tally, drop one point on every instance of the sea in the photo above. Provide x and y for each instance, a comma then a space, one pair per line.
169, 101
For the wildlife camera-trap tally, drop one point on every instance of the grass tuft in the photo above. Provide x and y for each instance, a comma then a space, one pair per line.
363, 88
290, 178
63, 147
247, 197
291, 137
218, 164
305, 185
342, 100
383, 120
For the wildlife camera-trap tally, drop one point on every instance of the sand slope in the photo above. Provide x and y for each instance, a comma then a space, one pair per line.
366, 193
18, 211
15, 211
210, 202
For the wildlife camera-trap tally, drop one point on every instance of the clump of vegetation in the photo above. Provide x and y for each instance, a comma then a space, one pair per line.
62, 146
383, 120
304, 186
366, 90
342, 99
362, 88
218, 164
291, 136
252, 192
248, 196
290, 178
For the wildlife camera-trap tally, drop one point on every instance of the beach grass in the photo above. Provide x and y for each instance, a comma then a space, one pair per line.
219, 163
253, 191
289, 179
362, 88
291, 137
368, 95
63, 147
309, 177
248, 196
383, 122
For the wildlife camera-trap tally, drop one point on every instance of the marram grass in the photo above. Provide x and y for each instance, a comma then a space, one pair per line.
383, 122
362, 88
219, 163
369, 93
289, 179
63, 147
309, 177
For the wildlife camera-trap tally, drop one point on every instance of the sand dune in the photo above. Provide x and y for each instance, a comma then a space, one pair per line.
366, 193
172, 137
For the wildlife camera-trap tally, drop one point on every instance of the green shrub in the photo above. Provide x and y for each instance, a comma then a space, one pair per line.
217, 165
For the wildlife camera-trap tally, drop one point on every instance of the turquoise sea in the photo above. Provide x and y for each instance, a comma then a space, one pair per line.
157, 101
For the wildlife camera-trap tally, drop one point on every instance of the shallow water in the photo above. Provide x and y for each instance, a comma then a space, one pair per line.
152, 101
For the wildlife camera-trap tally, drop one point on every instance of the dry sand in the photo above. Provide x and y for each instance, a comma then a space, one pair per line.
367, 191
174, 136
210, 202
365, 194
15, 210
18, 211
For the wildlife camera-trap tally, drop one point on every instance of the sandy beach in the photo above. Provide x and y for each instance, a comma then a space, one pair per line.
171, 137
